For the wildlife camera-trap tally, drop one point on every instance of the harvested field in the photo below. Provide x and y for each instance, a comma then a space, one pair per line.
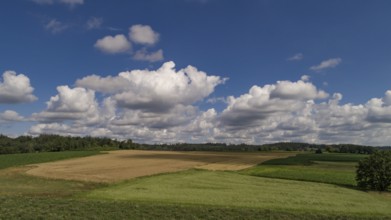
126, 164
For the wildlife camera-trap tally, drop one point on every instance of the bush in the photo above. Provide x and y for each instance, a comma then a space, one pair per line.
374, 172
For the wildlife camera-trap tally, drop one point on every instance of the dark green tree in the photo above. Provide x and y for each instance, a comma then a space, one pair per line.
374, 172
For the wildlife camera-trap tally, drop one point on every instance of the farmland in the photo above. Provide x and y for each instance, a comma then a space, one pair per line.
121, 165
189, 185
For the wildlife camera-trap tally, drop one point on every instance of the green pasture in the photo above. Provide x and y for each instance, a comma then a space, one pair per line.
309, 159
229, 189
339, 169
314, 173
67, 208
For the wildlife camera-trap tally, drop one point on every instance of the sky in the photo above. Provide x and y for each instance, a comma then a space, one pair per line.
168, 71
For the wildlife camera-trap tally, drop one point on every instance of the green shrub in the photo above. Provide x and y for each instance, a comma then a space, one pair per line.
374, 172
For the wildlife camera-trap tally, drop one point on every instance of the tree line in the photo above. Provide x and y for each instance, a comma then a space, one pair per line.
283, 146
53, 143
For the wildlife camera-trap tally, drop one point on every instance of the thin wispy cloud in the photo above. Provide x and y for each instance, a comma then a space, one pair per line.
144, 55
70, 3
55, 26
94, 23
296, 57
43, 2
199, 1
327, 64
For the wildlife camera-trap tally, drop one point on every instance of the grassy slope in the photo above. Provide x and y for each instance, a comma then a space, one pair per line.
325, 168
228, 189
11, 160
13, 182
24, 197
62, 208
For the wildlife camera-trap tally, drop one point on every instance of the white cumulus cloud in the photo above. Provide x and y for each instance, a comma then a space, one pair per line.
143, 34
70, 104
297, 90
16, 88
109, 84
113, 45
10, 116
162, 106
155, 91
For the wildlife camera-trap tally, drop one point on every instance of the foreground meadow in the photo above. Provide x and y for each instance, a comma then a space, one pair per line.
236, 190
196, 193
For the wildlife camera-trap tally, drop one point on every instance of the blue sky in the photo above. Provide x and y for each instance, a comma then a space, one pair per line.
250, 57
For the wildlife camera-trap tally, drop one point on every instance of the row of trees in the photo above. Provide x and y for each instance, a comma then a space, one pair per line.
288, 146
52, 143
26, 144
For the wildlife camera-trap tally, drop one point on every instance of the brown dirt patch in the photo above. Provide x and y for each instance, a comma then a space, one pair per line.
126, 164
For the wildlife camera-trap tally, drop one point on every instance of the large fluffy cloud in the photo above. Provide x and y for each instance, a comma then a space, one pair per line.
145, 105
71, 104
259, 117
261, 103
16, 88
379, 110
162, 105
155, 91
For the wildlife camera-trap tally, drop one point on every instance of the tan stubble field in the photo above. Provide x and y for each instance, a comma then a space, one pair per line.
120, 165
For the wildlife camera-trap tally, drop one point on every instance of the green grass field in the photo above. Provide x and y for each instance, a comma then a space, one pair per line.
11, 160
324, 168
195, 194
227, 189
309, 159
66, 208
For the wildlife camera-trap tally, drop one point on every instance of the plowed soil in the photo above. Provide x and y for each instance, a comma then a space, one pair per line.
127, 164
